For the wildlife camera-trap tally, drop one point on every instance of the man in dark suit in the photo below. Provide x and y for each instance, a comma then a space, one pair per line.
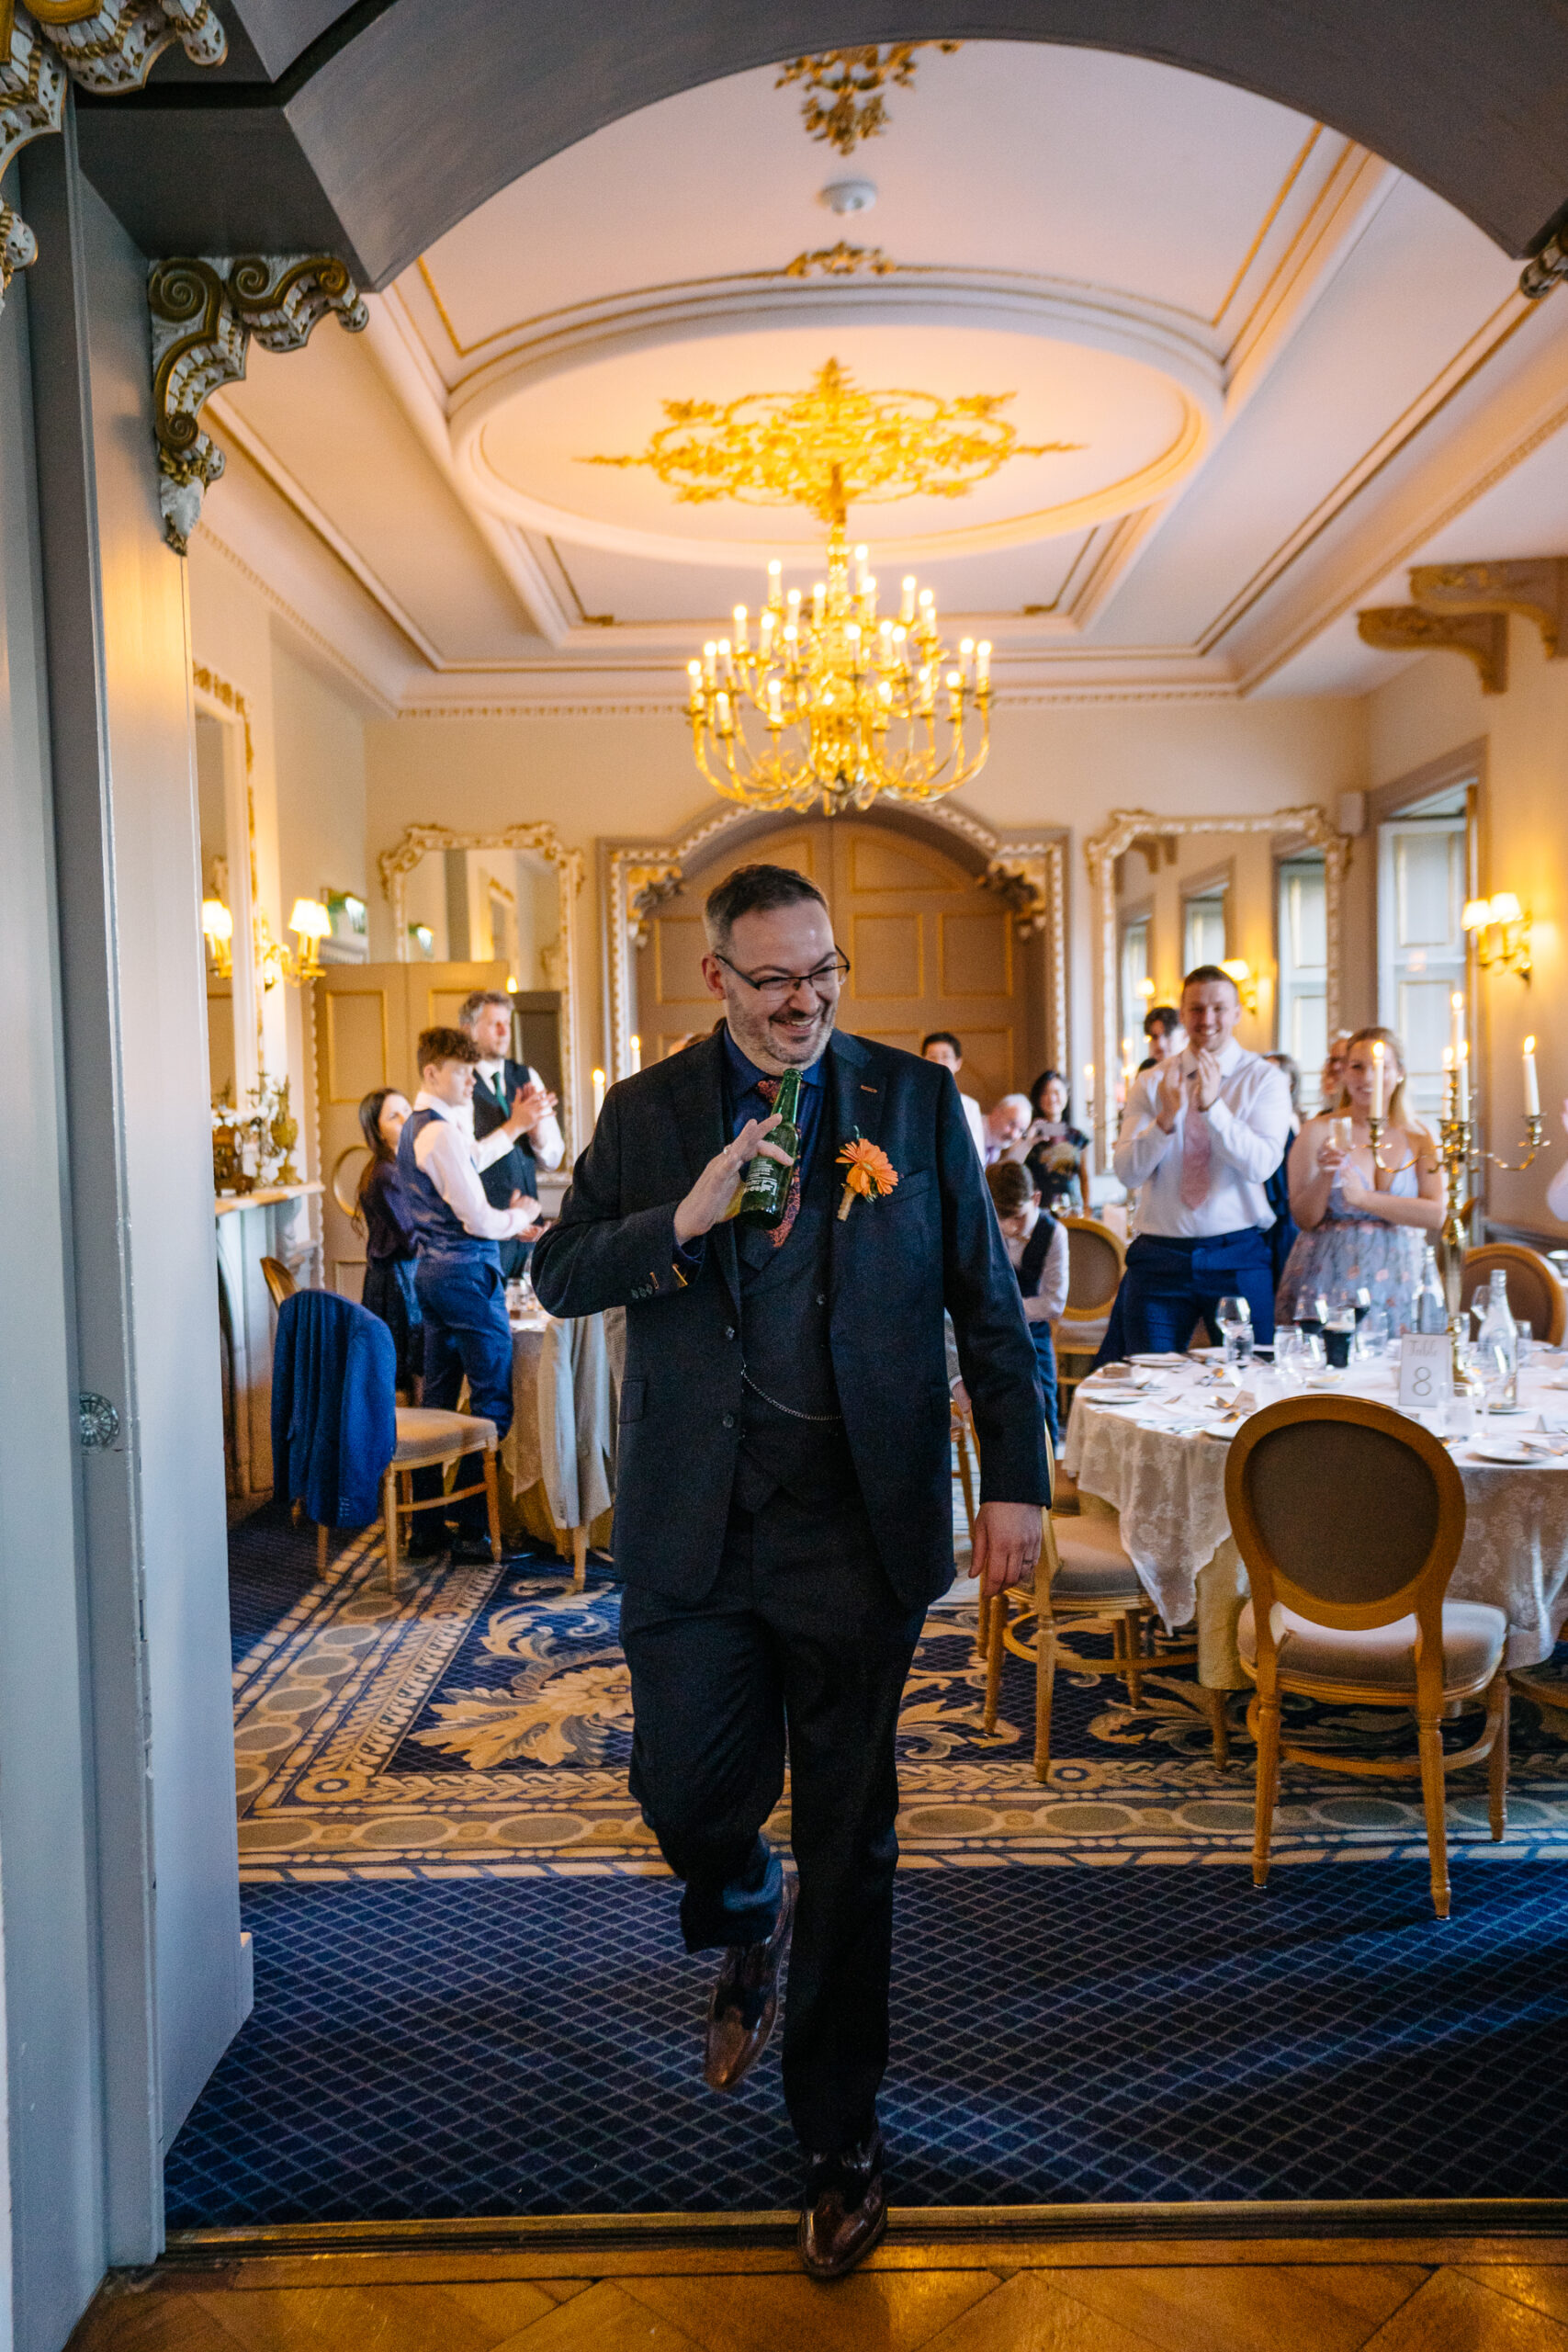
783, 1513
515, 1131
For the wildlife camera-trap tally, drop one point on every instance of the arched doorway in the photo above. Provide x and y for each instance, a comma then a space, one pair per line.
928, 947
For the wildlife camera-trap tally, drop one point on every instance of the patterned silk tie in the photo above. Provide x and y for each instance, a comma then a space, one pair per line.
1197, 1155
768, 1088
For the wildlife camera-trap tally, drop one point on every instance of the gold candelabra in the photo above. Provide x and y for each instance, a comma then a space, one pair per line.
1456, 1151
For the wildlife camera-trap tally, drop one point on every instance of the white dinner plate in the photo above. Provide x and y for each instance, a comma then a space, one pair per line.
1504, 1449
1167, 1363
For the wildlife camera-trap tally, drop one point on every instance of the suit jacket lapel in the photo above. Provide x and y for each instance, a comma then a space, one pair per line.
697, 1079
854, 1104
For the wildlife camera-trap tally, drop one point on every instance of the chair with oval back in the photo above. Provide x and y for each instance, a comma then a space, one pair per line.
1347, 1600
1535, 1290
1084, 1581
1095, 1259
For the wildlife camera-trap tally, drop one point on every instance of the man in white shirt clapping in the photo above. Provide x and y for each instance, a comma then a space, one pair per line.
1201, 1136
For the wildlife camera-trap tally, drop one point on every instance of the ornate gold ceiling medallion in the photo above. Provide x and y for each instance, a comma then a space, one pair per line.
831, 705
834, 447
840, 261
852, 81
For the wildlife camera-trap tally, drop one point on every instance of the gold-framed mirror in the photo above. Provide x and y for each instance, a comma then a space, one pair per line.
1260, 894
507, 896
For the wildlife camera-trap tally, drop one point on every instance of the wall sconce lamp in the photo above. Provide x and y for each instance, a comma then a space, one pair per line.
423, 938
1146, 990
1237, 968
309, 922
1501, 929
218, 925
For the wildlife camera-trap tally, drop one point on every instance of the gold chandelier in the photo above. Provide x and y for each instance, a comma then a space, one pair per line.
829, 705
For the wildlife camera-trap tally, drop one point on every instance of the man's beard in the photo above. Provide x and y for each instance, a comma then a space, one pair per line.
759, 1034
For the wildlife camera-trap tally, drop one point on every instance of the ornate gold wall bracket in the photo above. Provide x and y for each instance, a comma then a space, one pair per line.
112, 46
32, 100
841, 260
1535, 587
1482, 637
204, 312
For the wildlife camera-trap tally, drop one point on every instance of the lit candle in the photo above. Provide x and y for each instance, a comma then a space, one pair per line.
722, 721
635, 1042
598, 1093
861, 555
1376, 1078
982, 666
907, 601
965, 655
741, 641
1532, 1085
1089, 1088
710, 660
765, 633
1461, 1083
695, 671
1456, 1009
775, 702
775, 583
819, 600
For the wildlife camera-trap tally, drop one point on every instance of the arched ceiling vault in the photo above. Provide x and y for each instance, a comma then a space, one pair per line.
377, 128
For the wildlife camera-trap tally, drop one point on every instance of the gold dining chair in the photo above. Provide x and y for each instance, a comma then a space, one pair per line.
1536, 1295
279, 1281
1350, 1518
1083, 1579
431, 1439
1096, 1257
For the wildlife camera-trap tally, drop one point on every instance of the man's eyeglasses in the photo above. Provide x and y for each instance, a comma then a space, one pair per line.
777, 987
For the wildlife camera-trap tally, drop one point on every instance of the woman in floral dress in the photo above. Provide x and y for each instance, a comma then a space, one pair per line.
1363, 1228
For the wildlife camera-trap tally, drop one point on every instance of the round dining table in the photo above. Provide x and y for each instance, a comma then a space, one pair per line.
1157, 1458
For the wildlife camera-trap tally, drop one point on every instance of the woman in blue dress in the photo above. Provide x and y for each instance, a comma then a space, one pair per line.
1363, 1227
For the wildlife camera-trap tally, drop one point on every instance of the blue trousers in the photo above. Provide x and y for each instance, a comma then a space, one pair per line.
463, 1301
1169, 1284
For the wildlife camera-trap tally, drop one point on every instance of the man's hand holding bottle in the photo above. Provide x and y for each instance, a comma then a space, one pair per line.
712, 1195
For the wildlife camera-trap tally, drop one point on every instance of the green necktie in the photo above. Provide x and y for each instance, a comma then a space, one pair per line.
500, 1086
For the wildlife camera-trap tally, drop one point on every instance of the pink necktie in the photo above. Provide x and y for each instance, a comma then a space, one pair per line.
1196, 1155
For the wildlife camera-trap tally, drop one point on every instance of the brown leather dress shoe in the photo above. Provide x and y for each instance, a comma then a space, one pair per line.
844, 2213
745, 2004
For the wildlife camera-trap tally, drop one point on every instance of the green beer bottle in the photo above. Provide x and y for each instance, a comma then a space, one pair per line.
765, 1191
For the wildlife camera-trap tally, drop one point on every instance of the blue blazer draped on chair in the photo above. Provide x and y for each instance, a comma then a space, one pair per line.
334, 1418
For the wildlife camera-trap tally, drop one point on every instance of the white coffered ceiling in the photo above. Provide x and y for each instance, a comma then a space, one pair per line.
1285, 370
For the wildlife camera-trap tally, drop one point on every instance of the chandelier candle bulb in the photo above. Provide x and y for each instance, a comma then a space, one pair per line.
598, 1095
775, 703
1456, 1009
635, 1043
907, 600
742, 640
818, 601
1461, 1082
722, 716
775, 583
982, 666
1533, 1084
862, 553
710, 662
1376, 1078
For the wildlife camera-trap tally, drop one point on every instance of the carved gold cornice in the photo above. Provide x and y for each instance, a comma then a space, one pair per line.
32, 99
205, 311
1481, 637
1535, 587
112, 46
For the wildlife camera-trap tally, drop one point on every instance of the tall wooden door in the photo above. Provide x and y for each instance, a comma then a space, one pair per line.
368, 1018
927, 948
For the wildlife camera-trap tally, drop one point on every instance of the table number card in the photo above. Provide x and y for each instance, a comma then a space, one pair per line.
1425, 1371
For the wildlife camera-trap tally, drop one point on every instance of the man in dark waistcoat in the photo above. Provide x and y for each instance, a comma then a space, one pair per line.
783, 1513
515, 1129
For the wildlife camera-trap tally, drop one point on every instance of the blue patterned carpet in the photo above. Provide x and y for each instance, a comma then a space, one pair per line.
532, 2046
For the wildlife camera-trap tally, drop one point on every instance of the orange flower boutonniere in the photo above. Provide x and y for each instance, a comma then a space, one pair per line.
869, 1173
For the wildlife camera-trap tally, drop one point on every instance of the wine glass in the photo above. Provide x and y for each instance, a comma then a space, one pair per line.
1288, 1358
1372, 1335
1233, 1316
1312, 1311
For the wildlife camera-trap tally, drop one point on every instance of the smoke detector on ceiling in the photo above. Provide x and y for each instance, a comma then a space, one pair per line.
848, 195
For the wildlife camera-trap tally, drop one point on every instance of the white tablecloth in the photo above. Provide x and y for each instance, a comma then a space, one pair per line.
565, 1380
1169, 1488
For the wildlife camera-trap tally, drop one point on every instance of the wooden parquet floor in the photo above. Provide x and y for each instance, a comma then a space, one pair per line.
956, 2295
